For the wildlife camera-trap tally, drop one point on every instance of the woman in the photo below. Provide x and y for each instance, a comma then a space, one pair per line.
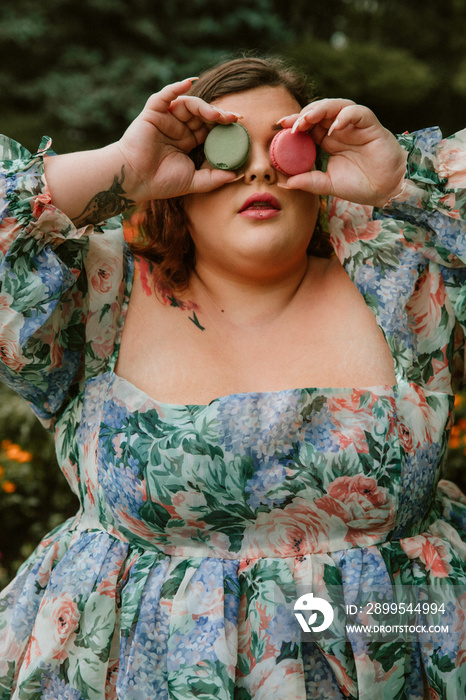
214, 488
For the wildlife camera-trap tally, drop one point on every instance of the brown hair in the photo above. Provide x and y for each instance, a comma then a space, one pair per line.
164, 235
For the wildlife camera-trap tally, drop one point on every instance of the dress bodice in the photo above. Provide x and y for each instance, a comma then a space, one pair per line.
256, 474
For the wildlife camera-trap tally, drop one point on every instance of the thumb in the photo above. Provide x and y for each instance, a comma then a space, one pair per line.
315, 182
207, 179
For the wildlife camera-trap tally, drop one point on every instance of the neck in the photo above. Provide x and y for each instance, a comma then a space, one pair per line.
247, 301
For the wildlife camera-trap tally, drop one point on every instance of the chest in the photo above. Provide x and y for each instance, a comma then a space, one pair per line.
184, 353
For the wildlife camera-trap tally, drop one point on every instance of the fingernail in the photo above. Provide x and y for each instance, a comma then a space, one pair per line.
332, 127
195, 77
284, 187
237, 178
295, 125
279, 121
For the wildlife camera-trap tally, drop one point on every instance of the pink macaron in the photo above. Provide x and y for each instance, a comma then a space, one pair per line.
292, 154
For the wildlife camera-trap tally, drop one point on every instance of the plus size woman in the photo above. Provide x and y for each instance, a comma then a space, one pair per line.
251, 400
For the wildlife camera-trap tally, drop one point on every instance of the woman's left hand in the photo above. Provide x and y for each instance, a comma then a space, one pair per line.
366, 165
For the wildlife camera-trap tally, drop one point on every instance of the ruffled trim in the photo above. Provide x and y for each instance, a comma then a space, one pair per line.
51, 290
27, 196
435, 173
432, 202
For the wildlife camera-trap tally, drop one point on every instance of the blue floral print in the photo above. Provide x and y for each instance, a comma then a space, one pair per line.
199, 525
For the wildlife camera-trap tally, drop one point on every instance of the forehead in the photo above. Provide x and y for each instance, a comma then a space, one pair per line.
263, 104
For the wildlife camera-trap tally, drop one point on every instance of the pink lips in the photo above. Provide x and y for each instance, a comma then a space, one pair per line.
260, 206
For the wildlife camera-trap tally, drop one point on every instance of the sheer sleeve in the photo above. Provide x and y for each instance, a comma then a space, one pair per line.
432, 207
61, 288
408, 260
434, 195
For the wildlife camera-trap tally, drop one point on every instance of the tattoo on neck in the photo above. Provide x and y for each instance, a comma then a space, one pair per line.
105, 204
151, 284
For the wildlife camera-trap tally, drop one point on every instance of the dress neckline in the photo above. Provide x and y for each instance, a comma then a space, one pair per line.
379, 389
385, 389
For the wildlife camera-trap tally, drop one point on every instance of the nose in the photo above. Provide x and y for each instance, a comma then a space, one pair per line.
258, 167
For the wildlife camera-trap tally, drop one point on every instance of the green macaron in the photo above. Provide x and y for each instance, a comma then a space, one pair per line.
227, 146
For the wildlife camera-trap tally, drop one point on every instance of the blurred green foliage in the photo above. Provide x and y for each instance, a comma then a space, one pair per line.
34, 495
81, 71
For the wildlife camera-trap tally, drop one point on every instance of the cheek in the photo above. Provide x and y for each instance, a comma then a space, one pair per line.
208, 210
203, 213
306, 208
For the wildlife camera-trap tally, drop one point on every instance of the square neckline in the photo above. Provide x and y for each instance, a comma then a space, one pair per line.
391, 389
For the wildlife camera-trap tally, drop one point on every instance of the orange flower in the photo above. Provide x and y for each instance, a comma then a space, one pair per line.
15, 453
9, 487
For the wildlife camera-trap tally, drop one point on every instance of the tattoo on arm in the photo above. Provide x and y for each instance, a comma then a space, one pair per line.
105, 204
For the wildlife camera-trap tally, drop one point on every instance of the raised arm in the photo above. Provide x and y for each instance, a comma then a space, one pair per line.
367, 165
150, 161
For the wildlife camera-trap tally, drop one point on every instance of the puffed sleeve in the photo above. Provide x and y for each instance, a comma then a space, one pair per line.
58, 285
434, 195
408, 260
432, 207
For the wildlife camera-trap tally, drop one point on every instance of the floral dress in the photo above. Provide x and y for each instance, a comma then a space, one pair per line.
200, 525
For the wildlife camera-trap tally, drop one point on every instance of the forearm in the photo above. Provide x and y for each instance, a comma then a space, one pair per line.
89, 186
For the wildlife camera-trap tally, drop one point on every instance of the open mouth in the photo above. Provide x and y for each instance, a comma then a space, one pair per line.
261, 205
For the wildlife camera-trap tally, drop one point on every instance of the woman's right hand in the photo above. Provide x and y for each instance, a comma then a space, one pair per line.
150, 161
156, 145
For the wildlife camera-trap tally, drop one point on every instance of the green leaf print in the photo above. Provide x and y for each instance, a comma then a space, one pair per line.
443, 663
196, 446
154, 515
242, 693
315, 405
332, 576
213, 683
236, 540
6, 681
173, 582
73, 337
105, 308
387, 653
288, 650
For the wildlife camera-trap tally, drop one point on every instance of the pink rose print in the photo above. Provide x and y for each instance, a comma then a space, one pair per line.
39, 203
297, 529
365, 508
101, 277
452, 161
103, 271
349, 223
423, 422
432, 552
10, 324
405, 437
55, 629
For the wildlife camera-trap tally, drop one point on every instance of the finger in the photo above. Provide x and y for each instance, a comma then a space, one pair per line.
201, 133
315, 182
320, 111
354, 115
208, 179
319, 132
161, 101
289, 120
187, 106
